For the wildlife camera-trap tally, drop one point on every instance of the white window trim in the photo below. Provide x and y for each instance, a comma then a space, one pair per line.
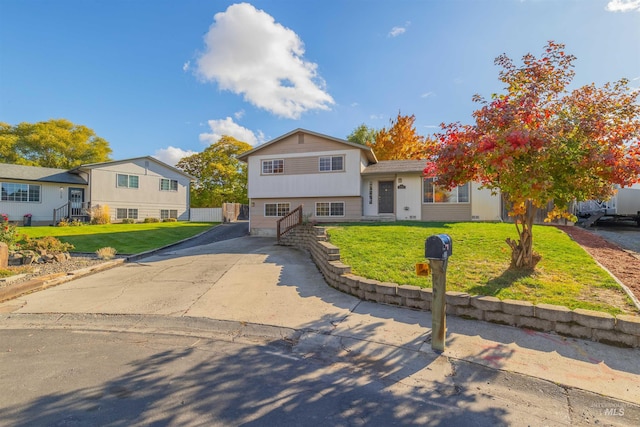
28, 192
128, 181
276, 215
344, 210
446, 203
171, 181
331, 163
262, 163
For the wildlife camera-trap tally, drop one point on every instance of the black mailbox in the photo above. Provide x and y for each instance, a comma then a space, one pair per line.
438, 246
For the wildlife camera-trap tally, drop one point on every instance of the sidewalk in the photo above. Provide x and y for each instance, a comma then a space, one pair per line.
252, 281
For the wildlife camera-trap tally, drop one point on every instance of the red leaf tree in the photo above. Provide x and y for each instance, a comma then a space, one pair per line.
539, 143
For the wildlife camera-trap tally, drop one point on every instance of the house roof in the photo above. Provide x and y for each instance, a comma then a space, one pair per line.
36, 173
368, 151
114, 162
395, 166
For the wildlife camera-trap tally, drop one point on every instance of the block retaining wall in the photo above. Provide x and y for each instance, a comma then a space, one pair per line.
621, 330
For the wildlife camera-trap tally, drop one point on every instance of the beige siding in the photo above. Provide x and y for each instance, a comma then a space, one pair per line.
261, 225
306, 165
446, 212
292, 145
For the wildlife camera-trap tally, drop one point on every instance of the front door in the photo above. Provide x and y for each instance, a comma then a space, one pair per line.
385, 197
76, 199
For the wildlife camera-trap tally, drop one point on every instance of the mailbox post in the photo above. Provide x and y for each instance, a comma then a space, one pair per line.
438, 249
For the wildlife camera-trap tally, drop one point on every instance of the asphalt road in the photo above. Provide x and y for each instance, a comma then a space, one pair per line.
96, 375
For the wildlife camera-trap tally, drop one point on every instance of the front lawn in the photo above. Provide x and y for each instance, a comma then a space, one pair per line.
125, 238
566, 275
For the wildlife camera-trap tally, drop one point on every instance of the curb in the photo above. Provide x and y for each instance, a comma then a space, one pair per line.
11, 292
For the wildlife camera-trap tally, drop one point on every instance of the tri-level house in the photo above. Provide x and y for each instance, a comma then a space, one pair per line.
335, 180
134, 188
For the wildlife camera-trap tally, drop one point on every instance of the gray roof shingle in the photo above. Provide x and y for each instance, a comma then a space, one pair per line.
395, 166
35, 173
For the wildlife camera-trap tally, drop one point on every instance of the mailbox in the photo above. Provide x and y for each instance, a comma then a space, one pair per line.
438, 246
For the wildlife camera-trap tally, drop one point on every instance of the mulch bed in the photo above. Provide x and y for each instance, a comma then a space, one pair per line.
623, 264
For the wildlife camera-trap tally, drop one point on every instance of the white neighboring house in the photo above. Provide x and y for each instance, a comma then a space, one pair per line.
337, 181
136, 188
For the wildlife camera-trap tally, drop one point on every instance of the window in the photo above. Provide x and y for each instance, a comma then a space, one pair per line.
13, 192
435, 194
122, 213
168, 213
328, 164
276, 209
168, 184
270, 167
127, 181
330, 209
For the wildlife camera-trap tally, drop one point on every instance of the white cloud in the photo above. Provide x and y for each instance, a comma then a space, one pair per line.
230, 128
376, 116
623, 6
186, 66
238, 114
172, 155
248, 53
396, 31
427, 95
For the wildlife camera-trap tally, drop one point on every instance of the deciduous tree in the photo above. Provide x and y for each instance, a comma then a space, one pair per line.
221, 177
55, 144
363, 135
400, 142
539, 143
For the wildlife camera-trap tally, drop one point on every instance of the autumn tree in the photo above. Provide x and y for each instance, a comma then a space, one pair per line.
363, 135
400, 142
539, 143
220, 176
55, 143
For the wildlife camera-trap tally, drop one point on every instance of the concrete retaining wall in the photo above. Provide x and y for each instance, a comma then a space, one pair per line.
621, 330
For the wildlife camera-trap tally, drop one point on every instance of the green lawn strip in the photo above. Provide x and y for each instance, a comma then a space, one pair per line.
125, 238
566, 275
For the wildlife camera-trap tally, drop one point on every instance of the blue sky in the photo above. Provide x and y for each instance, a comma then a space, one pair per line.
168, 78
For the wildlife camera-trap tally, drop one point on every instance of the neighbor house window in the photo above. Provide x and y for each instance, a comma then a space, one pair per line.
330, 164
168, 184
435, 194
330, 209
276, 209
13, 192
270, 167
127, 181
122, 213
168, 213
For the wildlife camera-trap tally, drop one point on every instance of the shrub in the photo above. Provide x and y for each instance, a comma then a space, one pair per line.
48, 244
170, 220
64, 222
100, 214
9, 233
147, 220
128, 221
106, 253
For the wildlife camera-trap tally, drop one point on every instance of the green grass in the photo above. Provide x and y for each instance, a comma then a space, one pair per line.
125, 238
479, 265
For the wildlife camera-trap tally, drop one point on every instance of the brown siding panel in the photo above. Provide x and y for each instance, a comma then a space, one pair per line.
446, 212
290, 145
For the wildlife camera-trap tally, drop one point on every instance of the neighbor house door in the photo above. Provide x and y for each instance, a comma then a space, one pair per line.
385, 197
76, 198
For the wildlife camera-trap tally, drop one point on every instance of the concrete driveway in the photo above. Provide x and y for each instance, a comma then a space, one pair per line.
247, 279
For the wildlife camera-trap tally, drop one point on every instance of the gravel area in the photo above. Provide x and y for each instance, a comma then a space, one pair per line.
76, 262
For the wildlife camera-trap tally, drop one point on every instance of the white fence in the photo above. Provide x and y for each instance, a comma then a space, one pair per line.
206, 215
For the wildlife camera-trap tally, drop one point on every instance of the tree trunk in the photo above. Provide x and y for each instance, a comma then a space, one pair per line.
522, 255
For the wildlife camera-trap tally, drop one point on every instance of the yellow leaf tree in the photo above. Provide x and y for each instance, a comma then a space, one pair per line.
400, 142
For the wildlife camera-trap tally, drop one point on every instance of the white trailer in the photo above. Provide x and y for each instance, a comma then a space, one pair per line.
623, 206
